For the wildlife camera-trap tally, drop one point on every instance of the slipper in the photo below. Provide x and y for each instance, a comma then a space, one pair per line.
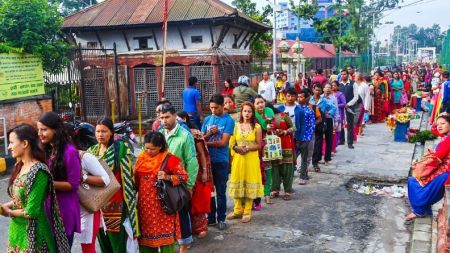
274, 195
316, 168
268, 200
287, 196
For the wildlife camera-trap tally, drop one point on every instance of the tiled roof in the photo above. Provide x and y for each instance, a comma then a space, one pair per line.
314, 50
116, 13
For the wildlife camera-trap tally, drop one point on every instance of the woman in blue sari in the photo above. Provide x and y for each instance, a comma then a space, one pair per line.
420, 197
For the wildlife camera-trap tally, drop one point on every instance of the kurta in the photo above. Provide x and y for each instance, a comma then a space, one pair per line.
397, 86
282, 121
157, 227
422, 198
245, 179
68, 201
29, 192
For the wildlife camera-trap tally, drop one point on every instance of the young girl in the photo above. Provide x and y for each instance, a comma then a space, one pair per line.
245, 180
64, 163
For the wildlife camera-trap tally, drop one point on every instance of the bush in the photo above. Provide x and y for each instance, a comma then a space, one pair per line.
422, 136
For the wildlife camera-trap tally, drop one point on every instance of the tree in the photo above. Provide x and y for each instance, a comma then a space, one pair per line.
33, 26
425, 37
67, 7
352, 26
259, 48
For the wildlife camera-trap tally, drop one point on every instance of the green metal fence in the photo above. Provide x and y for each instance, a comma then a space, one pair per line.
444, 59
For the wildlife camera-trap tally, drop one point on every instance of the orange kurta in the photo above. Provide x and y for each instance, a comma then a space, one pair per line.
157, 227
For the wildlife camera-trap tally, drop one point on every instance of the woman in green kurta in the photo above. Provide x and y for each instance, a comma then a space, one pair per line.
29, 186
264, 116
123, 205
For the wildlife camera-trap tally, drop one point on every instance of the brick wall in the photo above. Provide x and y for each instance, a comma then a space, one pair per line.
25, 111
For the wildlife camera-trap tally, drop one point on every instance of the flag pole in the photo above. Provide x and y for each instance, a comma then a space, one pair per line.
163, 78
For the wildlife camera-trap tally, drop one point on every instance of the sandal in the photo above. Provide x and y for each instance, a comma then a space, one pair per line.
202, 234
268, 200
232, 216
246, 218
316, 168
274, 195
287, 196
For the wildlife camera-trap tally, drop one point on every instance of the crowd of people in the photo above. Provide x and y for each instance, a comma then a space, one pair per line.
223, 155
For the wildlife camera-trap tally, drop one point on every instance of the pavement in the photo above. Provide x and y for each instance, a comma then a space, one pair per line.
323, 216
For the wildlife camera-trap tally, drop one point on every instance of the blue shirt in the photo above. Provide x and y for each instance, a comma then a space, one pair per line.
225, 125
446, 91
190, 97
306, 124
325, 105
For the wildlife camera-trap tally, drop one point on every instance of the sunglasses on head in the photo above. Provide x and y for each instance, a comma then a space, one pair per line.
164, 107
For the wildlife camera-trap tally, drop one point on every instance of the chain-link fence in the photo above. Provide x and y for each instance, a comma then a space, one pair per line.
444, 59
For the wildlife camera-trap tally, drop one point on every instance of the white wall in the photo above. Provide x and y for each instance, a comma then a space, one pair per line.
173, 38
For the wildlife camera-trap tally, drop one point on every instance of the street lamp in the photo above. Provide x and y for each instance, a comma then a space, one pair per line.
298, 47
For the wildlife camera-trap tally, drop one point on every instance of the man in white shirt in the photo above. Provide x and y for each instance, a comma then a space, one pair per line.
353, 106
266, 88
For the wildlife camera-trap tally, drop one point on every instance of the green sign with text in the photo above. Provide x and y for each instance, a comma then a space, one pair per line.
21, 76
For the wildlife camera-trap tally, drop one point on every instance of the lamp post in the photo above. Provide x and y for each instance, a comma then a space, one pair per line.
298, 47
274, 52
283, 47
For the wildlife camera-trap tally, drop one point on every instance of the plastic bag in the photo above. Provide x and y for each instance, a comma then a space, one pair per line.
273, 150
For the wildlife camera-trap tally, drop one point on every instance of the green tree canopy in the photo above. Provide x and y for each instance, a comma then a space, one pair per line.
425, 36
67, 7
259, 48
33, 26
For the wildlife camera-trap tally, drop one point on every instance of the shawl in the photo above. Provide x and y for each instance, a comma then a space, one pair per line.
62, 244
126, 174
262, 119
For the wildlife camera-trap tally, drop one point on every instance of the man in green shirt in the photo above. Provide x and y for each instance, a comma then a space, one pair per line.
181, 143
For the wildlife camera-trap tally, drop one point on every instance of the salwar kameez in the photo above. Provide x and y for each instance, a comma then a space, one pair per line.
123, 204
263, 120
245, 180
35, 232
282, 170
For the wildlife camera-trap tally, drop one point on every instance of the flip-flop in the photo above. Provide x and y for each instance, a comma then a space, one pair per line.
274, 195
287, 196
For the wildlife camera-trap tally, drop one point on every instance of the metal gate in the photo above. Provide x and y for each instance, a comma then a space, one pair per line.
174, 86
231, 71
205, 76
146, 88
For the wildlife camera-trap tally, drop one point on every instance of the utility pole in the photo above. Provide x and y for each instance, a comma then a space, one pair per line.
373, 39
274, 46
298, 34
340, 33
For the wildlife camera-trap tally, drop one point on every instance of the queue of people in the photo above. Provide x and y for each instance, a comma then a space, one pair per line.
223, 155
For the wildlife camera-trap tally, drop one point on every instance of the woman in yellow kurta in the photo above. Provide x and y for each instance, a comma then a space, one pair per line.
245, 180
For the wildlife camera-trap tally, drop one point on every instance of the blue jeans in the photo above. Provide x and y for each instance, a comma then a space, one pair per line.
220, 173
195, 119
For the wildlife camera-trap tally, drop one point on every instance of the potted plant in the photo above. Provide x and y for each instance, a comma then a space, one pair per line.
422, 137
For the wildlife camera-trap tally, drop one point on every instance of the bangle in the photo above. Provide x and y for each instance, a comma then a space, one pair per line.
205, 168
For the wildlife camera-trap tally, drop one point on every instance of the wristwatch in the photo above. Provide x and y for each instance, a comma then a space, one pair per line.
85, 177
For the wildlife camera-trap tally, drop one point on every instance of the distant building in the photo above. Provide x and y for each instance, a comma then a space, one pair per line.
287, 21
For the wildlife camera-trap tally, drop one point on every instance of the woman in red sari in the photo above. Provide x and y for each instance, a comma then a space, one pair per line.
380, 90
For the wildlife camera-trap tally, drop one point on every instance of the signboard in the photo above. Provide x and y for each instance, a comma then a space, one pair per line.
21, 76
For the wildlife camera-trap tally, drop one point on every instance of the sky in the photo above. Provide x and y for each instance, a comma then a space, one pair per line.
423, 13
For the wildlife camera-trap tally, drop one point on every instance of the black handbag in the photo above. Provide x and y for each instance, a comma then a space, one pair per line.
172, 198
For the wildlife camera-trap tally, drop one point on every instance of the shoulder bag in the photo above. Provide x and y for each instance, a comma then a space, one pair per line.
172, 198
94, 198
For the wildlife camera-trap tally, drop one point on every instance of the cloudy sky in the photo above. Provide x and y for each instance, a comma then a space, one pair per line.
423, 13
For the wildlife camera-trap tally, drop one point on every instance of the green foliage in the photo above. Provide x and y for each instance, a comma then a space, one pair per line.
67, 7
259, 48
422, 136
352, 27
305, 9
33, 26
426, 37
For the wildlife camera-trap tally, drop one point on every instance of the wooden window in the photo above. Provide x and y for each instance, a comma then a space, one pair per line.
197, 39
91, 44
143, 42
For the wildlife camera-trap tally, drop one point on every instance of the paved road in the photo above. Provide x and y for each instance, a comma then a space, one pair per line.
323, 216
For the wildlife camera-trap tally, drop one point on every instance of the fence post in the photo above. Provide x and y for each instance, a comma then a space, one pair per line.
140, 119
83, 90
113, 111
117, 81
